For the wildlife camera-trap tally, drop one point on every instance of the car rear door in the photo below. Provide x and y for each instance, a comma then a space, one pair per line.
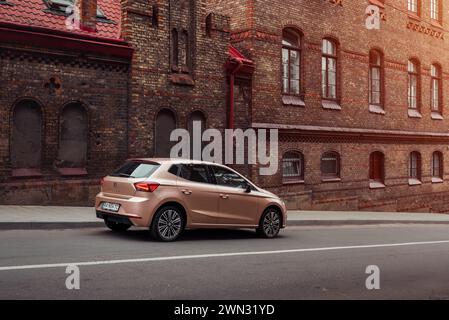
198, 192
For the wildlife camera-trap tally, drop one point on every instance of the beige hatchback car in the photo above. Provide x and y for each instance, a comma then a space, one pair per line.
168, 196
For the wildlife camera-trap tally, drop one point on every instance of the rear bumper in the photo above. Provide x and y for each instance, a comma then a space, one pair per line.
137, 210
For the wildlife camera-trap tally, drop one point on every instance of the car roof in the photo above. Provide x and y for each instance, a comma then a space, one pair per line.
174, 161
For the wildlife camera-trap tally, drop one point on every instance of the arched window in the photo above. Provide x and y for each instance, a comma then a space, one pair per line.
414, 166
196, 126
26, 138
436, 89
437, 165
291, 62
377, 167
165, 124
375, 78
330, 165
414, 84
293, 167
329, 71
73, 135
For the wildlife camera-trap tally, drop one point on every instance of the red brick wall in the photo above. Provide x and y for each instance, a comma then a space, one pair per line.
100, 86
151, 85
256, 29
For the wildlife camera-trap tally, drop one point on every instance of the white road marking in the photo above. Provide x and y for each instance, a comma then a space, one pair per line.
215, 255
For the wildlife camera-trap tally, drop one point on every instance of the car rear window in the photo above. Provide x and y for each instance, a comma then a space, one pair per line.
134, 169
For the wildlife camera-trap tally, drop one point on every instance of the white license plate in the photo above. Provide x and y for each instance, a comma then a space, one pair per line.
114, 207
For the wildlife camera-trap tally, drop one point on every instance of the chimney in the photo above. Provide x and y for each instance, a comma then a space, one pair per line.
87, 14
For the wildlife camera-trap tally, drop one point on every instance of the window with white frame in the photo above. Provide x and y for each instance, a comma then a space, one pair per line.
413, 85
329, 70
292, 167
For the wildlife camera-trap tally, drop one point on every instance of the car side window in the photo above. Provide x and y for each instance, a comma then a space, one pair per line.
195, 173
174, 169
227, 178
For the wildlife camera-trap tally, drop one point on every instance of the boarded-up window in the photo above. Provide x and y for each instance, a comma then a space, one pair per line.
197, 121
165, 124
73, 137
26, 138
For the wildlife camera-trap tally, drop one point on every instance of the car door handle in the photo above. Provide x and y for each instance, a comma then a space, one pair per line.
187, 192
224, 196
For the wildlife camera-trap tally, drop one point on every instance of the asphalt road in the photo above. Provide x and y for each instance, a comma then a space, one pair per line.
303, 263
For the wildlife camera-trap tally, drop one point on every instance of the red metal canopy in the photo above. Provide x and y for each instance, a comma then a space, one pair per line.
238, 63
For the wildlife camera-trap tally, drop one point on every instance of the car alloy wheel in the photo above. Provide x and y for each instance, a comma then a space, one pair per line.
270, 224
168, 224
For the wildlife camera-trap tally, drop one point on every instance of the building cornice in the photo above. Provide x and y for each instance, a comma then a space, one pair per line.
356, 133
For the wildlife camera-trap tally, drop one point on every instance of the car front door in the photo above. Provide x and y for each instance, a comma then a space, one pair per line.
198, 193
235, 205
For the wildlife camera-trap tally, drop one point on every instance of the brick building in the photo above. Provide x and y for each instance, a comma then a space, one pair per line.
63, 101
362, 113
81, 93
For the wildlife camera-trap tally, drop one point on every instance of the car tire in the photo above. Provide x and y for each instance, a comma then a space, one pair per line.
168, 224
270, 223
116, 226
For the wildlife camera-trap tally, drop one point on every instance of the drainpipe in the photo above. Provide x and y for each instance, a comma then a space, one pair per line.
231, 93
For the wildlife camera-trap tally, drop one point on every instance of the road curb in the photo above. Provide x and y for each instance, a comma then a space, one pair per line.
293, 223
359, 222
48, 225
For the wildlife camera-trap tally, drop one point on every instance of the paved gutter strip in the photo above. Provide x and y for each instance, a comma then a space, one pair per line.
81, 225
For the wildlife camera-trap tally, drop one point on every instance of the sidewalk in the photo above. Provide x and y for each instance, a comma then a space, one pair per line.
35, 217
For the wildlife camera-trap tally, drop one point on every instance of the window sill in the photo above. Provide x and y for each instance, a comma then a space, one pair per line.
437, 180
72, 171
414, 182
376, 185
331, 180
293, 101
377, 3
436, 116
293, 182
330, 105
436, 24
414, 16
412, 113
26, 172
182, 79
376, 109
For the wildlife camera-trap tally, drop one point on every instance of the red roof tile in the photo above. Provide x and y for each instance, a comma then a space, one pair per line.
32, 13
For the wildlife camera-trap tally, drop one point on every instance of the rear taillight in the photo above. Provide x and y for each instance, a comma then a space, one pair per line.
146, 186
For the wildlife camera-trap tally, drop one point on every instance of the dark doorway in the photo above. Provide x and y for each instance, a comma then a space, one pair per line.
165, 124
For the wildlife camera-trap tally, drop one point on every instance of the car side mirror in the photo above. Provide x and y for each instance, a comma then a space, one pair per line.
247, 188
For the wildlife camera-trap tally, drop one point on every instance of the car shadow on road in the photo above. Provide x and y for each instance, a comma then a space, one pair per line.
188, 235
